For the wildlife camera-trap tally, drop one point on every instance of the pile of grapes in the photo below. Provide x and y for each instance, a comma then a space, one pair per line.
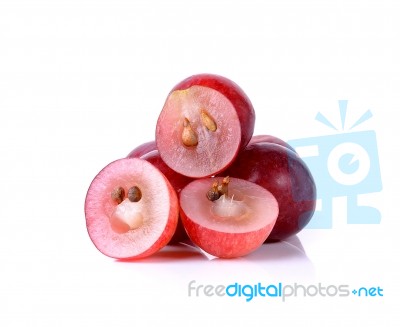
205, 177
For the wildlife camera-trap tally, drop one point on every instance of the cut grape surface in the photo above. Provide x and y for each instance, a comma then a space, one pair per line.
233, 225
204, 123
131, 209
178, 182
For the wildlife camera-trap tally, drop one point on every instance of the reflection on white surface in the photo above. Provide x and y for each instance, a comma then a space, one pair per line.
280, 261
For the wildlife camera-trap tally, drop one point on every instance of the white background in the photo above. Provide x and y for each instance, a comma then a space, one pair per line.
82, 83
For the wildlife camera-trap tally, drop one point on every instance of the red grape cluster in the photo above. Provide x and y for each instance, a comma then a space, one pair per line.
205, 177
